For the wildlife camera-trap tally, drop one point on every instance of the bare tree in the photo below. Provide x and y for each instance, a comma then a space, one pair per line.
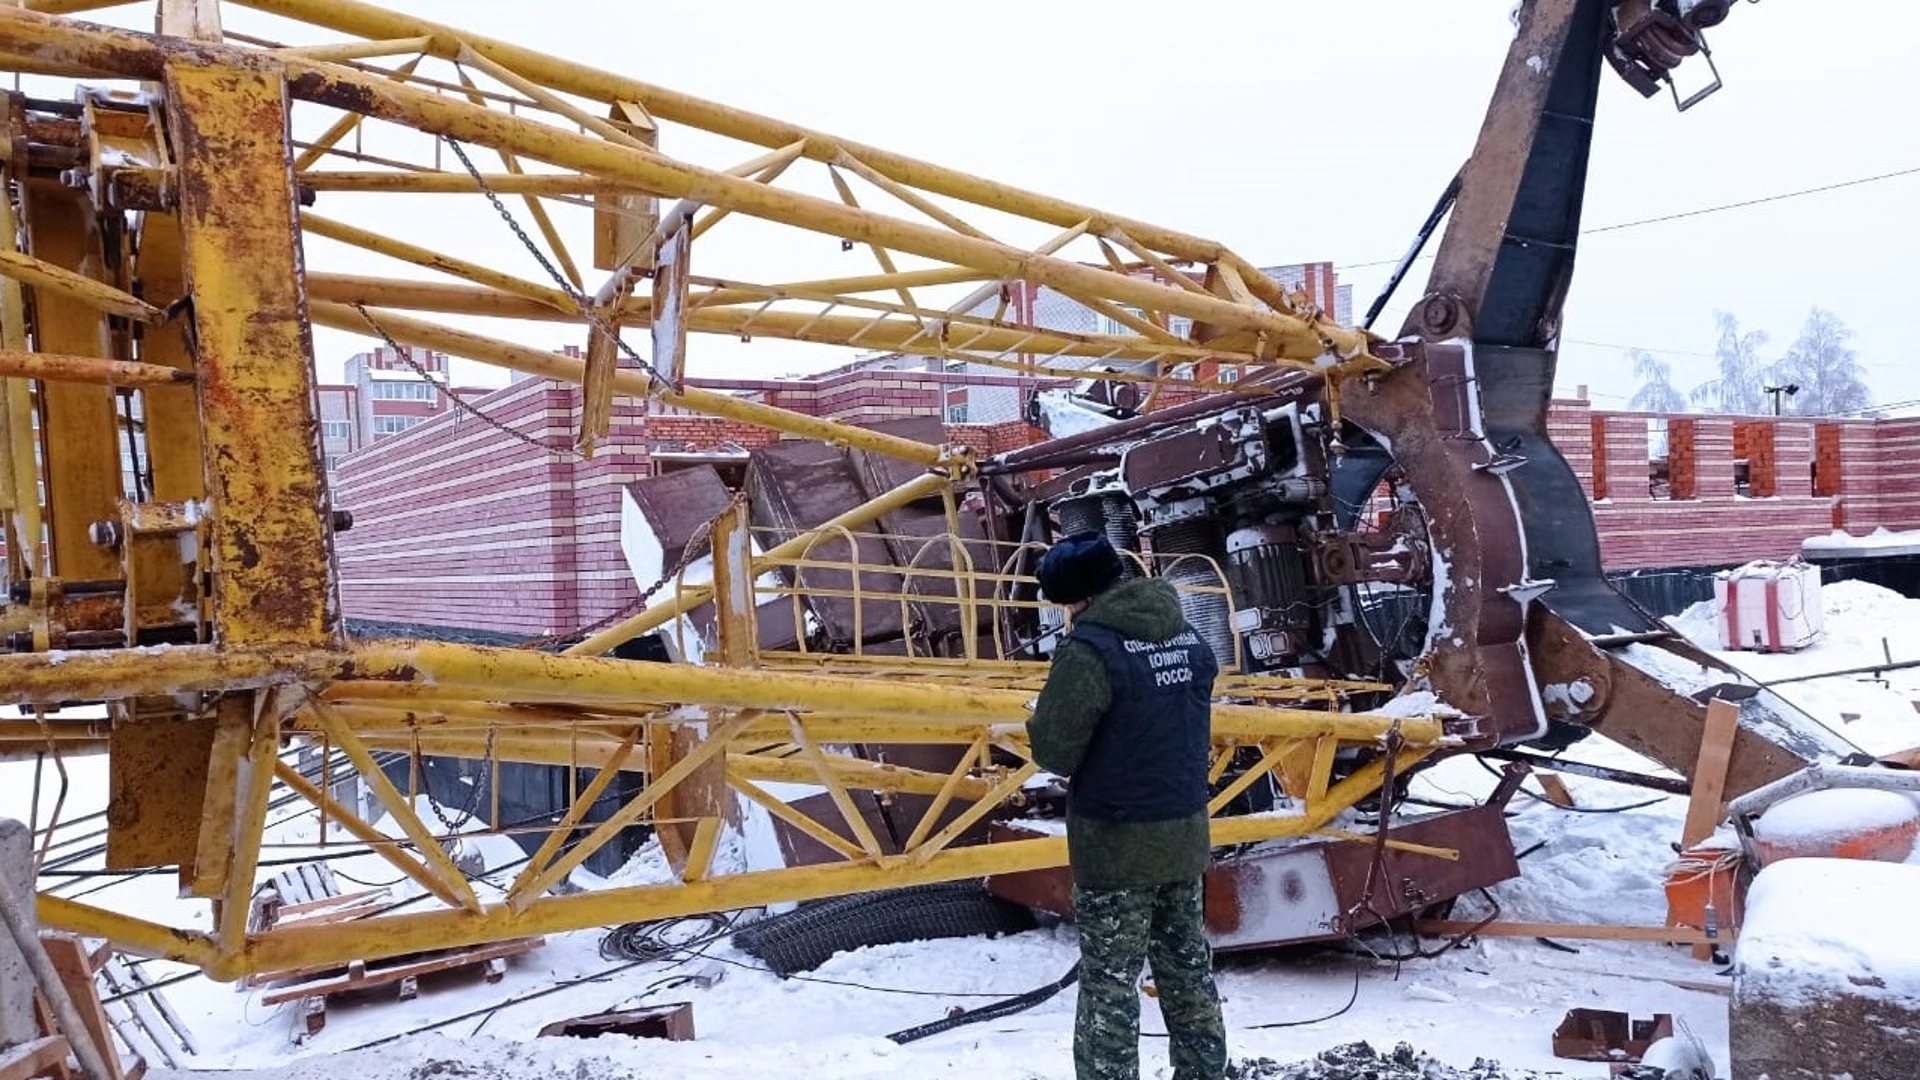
1828, 373
1657, 393
1742, 371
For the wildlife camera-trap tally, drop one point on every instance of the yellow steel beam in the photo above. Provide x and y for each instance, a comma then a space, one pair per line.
19, 449
706, 835
824, 775
967, 818
855, 773
1292, 338
948, 789
583, 801
38, 678
969, 340
541, 219
380, 843
549, 99
536, 879
357, 50
631, 382
435, 183
343, 127
527, 675
79, 429
128, 934
47, 277
221, 805
370, 21
55, 367
454, 884
785, 812
368, 240
295, 947
273, 572
172, 413
255, 781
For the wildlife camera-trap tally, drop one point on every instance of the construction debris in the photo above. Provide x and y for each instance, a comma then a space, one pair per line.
671, 1021
1606, 1035
1360, 1061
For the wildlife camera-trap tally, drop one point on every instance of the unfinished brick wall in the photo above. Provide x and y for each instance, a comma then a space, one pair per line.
458, 524
1712, 458
1570, 427
1682, 472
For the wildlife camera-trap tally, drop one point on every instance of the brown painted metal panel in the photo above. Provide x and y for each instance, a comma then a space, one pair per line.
798, 485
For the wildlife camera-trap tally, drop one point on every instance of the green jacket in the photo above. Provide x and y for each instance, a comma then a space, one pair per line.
1066, 720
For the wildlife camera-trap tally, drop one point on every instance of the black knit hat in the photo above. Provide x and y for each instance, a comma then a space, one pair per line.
1078, 567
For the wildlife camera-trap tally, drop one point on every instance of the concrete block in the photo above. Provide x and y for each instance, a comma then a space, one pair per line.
16, 979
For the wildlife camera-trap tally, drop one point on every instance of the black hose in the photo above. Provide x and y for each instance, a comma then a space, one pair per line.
994, 1011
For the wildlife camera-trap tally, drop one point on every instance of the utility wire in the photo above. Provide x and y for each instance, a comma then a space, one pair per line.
1699, 212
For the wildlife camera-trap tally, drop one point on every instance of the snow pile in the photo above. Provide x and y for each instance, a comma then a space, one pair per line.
1822, 815
1061, 416
1865, 625
1881, 541
1817, 926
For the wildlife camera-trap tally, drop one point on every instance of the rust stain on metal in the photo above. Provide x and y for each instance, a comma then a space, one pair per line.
273, 565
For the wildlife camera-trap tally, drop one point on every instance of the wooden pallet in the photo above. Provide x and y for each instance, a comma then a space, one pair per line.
46, 1056
402, 972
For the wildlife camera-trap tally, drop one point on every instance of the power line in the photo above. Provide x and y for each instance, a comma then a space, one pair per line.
1754, 202
1716, 209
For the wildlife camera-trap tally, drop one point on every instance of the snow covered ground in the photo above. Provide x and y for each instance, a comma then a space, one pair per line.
1865, 625
1496, 998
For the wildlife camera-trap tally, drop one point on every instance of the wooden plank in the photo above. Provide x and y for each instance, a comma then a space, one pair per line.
359, 977
1706, 808
1556, 790
333, 901
69, 956
30, 1059
1678, 935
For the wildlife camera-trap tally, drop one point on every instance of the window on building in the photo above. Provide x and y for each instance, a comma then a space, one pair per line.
337, 429
957, 414
403, 390
333, 462
394, 425
1230, 374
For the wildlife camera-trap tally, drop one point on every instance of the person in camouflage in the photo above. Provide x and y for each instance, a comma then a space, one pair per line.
1125, 716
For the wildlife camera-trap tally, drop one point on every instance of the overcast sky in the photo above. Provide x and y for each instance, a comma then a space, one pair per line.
1291, 132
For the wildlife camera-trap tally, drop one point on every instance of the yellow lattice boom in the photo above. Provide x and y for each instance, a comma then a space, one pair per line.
160, 217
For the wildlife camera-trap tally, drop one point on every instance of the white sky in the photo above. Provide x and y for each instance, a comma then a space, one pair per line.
1290, 131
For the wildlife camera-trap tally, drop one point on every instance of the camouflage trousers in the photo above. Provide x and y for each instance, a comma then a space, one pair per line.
1162, 925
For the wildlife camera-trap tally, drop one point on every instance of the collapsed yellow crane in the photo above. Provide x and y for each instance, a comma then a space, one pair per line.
161, 254
159, 217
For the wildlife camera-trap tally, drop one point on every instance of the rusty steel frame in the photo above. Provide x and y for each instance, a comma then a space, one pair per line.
225, 363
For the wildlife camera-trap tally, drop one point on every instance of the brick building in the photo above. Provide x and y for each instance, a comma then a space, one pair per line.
1729, 489
459, 524
383, 396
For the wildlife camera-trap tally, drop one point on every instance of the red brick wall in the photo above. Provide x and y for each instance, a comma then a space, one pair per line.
458, 524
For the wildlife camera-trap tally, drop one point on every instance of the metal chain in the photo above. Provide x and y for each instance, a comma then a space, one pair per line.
406, 356
473, 796
687, 556
579, 298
